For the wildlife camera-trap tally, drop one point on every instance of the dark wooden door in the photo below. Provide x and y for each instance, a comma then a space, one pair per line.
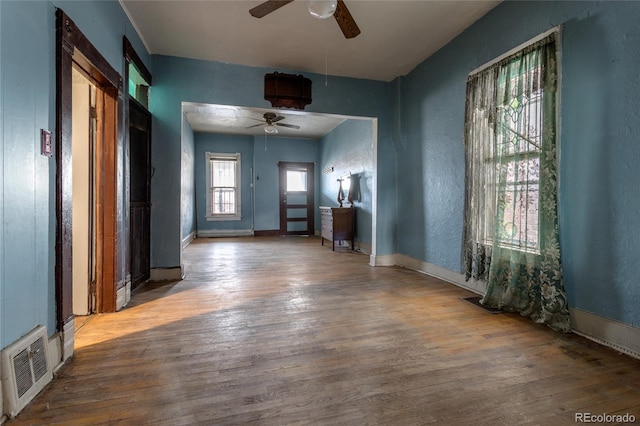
296, 198
140, 192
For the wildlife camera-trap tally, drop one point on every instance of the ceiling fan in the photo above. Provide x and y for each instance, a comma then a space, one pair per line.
270, 121
343, 16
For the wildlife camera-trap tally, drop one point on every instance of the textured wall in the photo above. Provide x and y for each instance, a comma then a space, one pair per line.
349, 149
188, 179
267, 155
177, 80
27, 231
229, 144
599, 150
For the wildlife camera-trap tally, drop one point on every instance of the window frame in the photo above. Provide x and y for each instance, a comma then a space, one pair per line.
209, 158
481, 237
533, 153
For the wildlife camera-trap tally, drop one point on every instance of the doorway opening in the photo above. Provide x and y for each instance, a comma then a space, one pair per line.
83, 141
138, 253
74, 51
297, 199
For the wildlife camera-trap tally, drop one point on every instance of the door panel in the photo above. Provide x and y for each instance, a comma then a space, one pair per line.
139, 192
296, 198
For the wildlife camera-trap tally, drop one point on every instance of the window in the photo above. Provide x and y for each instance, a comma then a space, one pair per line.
296, 180
223, 183
519, 141
505, 123
511, 235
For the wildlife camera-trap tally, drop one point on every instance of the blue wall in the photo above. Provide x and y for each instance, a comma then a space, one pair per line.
28, 86
176, 80
27, 102
419, 152
268, 153
600, 128
349, 150
229, 144
188, 179
348, 147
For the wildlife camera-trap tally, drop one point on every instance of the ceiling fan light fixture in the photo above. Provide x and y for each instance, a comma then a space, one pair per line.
322, 9
270, 129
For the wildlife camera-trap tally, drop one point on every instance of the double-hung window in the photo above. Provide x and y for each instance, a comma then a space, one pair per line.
510, 151
223, 184
519, 142
511, 235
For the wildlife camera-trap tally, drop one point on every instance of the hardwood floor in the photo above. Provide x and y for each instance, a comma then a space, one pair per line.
278, 331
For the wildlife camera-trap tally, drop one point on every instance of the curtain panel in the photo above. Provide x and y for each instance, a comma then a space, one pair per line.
511, 236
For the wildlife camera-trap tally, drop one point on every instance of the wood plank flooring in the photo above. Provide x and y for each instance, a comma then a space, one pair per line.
279, 331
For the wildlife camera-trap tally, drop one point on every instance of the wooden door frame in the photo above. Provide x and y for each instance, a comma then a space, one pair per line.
131, 57
137, 280
73, 47
283, 166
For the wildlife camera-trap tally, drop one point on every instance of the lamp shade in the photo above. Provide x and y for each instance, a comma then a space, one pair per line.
322, 9
270, 129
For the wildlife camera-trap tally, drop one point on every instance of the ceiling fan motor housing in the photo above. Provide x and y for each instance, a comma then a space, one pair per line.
287, 90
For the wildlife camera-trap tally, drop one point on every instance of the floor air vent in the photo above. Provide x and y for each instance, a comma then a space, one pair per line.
25, 370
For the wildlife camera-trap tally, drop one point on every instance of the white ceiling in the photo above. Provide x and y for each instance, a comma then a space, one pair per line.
240, 120
396, 35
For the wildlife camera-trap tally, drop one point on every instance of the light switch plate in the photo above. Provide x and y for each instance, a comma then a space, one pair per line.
46, 143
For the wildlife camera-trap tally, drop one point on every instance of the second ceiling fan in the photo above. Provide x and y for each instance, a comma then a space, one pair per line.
342, 15
270, 120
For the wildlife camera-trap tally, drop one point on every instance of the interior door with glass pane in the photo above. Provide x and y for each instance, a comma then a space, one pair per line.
296, 198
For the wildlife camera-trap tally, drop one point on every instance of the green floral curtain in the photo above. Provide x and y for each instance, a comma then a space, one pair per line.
511, 223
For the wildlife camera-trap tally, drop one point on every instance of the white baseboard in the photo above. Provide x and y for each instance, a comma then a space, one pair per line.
614, 334
55, 351
68, 340
166, 274
123, 296
383, 260
187, 240
440, 273
212, 233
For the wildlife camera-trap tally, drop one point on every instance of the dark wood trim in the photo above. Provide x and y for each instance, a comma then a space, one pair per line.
63, 268
84, 53
73, 47
131, 55
138, 117
310, 218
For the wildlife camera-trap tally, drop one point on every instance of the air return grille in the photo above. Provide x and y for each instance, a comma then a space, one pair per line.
25, 370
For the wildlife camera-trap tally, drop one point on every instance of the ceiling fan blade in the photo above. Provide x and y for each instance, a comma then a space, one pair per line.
255, 125
267, 7
291, 126
345, 20
276, 119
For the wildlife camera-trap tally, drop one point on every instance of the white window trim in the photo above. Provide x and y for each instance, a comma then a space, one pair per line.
224, 156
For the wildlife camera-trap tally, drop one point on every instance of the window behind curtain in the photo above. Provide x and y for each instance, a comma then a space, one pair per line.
504, 143
519, 141
223, 198
511, 236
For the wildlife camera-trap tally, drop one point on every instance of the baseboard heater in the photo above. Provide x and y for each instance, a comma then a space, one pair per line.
25, 370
